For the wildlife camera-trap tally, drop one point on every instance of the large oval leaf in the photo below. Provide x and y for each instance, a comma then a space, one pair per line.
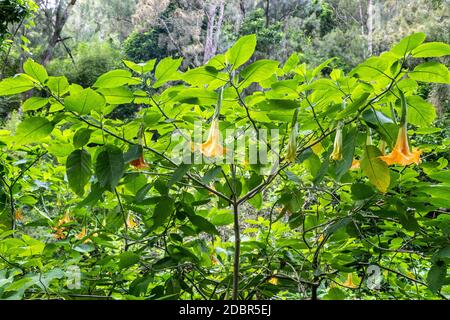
35, 70
33, 129
241, 51
78, 168
15, 85
167, 70
109, 167
431, 49
85, 101
115, 78
375, 169
420, 112
430, 72
408, 43
258, 71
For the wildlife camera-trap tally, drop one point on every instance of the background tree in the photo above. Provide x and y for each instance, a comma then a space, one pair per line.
56, 15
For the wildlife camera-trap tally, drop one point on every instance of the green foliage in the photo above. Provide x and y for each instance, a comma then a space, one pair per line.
110, 196
78, 167
90, 61
269, 37
143, 46
13, 11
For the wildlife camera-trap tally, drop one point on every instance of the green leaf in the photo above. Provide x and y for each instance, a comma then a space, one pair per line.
140, 285
127, 259
443, 253
78, 166
291, 62
431, 49
408, 43
114, 79
322, 66
407, 219
33, 129
241, 51
353, 107
134, 152
35, 70
167, 70
382, 123
348, 150
109, 167
141, 67
335, 294
420, 113
443, 176
93, 197
203, 75
142, 193
258, 71
222, 219
151, 118
34, 103
376, 169
15, 85
119, 95
217, 62
81, 137
430, 72
211, 174
361, 191
85, 101
179, 173
163, 210
371, 68
197, 96
436, 276
337, 225
278, 104
58, 85
203, 224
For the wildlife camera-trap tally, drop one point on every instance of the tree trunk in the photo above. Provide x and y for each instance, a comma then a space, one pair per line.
363, 33
266, 11
213, 30
237, 252
211, 15
218, 27
61, 16
242, 8
370, 27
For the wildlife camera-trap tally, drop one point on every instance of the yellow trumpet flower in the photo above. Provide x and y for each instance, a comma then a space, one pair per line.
212, 147
349, 282
82, 234
65, 219
337, 146
132, 222
139, 163
401, 153
355, 164
292, 145
18, 215
59, 233
273, 280
214, 260
59, 229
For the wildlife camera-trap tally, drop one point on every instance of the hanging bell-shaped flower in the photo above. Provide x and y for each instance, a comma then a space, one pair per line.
337, 145
402, 154
292, 144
